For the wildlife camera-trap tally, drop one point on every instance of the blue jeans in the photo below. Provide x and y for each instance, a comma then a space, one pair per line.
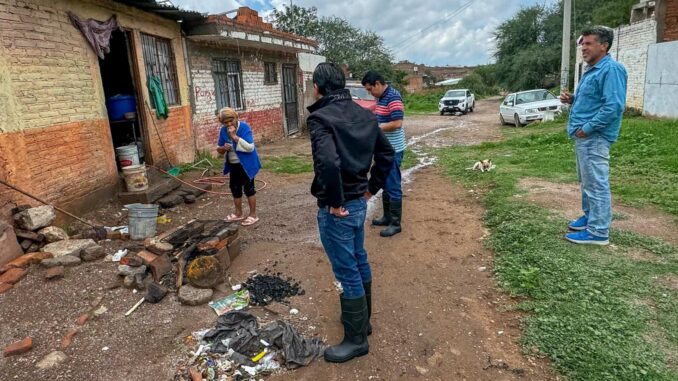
344, 241
392, 185
593, 171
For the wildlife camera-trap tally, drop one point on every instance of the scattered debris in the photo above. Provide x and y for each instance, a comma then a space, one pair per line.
423, 371
66, 260
119, 255
294, 311
51, 360
100, 311
140, 302
13, 275
236, 301
19, 347
92, 253
193, 296
68, 338
236, 287
53, 234
436, 360
266, 288
155, 293
54, 273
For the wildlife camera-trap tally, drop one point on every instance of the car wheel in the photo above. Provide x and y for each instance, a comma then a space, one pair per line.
501, 119
472, 107
442, 113
465, 111
516, 121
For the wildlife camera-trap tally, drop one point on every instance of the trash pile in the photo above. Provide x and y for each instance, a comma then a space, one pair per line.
267, 288
237, 348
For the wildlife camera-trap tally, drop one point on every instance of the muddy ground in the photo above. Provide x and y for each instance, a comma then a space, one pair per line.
433, 286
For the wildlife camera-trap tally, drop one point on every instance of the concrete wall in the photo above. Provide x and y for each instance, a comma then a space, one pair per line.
630, 48
55, 139
661, 86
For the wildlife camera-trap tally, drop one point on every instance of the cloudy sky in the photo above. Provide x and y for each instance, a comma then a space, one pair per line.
441, 32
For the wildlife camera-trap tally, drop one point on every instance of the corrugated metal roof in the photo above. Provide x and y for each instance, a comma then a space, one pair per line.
164, 9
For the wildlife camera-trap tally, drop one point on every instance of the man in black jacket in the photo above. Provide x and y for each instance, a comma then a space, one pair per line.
345, 140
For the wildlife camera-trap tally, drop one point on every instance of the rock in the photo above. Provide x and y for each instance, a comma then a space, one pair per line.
72, 247
131, 260
160, 267
68, 338
204, 272
9, 247
482, 269
55, 273
158, 247
92, 253
193, 296
455, 352
18, 347
4, 287
13, 275
196, 191
190, 199
20, 208
100, 311
128, 281
66, 260
35, 218
171, 201
51, 360
155, 293
53, 234
435, 361
423, 371
129, 270
294, 311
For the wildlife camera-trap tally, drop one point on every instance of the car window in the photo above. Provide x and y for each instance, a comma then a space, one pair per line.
468, 93
508, 100
455, 93
534, 96
360, 93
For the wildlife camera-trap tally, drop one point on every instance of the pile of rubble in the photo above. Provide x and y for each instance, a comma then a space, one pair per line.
34, 240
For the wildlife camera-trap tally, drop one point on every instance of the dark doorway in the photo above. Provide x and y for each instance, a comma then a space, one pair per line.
290, 98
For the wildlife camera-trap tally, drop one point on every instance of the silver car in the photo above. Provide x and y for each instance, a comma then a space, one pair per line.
528, 106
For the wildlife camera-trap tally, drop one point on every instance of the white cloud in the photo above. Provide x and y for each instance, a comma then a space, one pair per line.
437, 36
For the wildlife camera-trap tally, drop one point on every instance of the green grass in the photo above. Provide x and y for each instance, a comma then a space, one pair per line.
288, 164
410, 159
597, 312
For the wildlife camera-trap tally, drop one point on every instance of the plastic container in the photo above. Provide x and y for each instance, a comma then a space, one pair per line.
128, 155
142, 220
135, 178
118, 105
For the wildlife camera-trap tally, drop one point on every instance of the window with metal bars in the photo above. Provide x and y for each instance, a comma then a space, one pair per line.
270, 73
159, 62
228, 84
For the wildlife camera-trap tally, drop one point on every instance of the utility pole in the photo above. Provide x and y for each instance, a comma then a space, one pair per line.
565, 59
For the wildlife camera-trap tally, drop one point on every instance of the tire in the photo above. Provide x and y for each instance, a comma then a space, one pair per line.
516, 120
442, 113
472, 107
501, 119
465, 110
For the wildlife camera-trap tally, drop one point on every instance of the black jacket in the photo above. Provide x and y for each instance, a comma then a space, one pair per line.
345, 139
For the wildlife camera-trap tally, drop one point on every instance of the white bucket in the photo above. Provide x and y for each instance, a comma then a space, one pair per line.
142, 220
127, 155
135, 178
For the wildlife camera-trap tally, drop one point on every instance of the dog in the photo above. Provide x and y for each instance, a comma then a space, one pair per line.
482, 166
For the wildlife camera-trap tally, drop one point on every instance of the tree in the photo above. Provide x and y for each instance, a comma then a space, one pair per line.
339, 41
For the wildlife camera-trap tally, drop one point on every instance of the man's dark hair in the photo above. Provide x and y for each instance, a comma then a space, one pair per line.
372, 77
328, 76
603, 34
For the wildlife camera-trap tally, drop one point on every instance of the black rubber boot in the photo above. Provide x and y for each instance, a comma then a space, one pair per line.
396, 214
368, 298
385, 220
354, 317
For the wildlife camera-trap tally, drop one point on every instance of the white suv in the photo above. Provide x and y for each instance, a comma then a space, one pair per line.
460, 100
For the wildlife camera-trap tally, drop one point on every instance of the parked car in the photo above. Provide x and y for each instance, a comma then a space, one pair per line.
361, 96
528, 106
460, 100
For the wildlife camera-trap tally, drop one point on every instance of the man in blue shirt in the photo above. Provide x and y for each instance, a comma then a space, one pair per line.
595, 120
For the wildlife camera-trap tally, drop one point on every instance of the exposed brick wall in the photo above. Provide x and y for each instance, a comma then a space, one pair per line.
671, 21
630, 48
262, 102
55, 139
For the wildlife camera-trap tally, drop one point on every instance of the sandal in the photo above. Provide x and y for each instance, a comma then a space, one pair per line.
233, 218
250, 221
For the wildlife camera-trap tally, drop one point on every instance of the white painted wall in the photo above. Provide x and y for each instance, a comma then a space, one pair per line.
661, 84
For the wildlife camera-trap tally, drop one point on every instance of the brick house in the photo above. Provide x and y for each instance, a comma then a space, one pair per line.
246, 64
56, 138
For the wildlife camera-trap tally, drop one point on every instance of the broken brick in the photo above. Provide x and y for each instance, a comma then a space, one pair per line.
54, 273
68, 338
158, 247
195, 374
28, 259
160, 267
4, 287
18, 347
146, 256
82, 319
12, 276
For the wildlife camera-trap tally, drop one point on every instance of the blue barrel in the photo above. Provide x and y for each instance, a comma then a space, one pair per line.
118, 105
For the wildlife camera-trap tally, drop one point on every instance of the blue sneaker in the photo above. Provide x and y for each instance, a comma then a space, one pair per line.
579, 224
586, 238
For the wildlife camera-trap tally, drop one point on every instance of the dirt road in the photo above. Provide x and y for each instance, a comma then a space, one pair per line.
437, 312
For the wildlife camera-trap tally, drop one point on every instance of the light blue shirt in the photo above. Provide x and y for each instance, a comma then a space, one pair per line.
599, 100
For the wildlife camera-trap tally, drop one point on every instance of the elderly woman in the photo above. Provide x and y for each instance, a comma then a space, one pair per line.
242, 163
